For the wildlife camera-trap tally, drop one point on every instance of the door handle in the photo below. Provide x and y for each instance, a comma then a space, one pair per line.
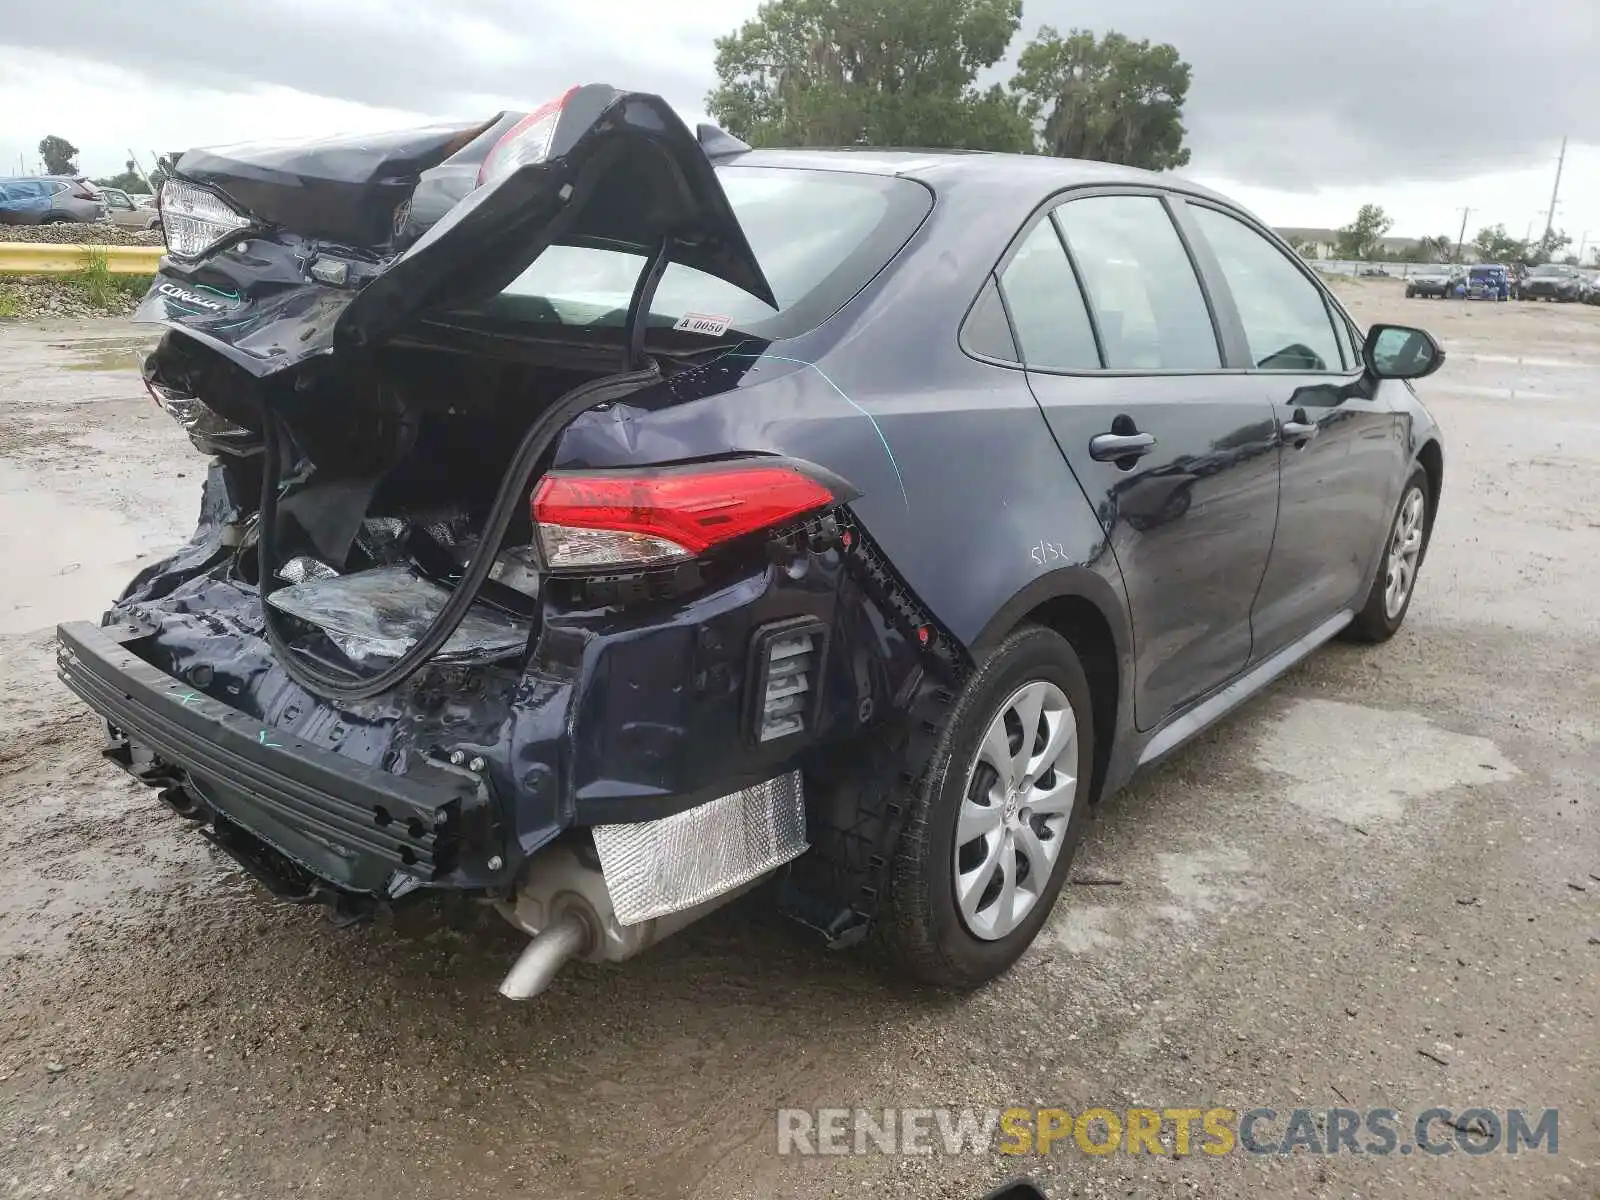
1108, 447
1298, 429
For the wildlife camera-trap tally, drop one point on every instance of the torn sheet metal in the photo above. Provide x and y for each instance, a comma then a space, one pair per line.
378, 615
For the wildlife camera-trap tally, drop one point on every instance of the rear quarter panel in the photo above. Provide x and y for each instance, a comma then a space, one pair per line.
962, 485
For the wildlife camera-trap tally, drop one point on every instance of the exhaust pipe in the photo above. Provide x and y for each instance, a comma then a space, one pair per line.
547, 953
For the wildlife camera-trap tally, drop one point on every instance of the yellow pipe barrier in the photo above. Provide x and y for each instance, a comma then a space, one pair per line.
45, 258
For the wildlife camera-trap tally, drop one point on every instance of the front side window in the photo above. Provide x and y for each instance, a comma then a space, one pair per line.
1285, 319
1146, 298
1046, 305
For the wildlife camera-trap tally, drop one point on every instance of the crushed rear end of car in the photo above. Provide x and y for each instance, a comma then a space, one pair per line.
407, 649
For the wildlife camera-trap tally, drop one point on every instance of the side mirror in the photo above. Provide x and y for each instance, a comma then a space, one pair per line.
1400, 352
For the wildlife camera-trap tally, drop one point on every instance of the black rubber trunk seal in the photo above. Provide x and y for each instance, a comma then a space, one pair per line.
513, 491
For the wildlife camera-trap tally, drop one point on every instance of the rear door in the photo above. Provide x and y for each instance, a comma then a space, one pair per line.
1339, 450
1173, 450
24, 201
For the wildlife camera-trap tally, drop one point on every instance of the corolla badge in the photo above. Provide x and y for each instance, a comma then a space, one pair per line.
201, 297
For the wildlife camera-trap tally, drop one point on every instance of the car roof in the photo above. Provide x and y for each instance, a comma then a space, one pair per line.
974, 169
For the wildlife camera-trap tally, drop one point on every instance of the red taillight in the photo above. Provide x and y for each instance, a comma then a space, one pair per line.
640, 518
525, 142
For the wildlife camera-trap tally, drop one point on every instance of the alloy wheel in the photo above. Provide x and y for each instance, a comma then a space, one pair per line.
1015, 807
1405, 549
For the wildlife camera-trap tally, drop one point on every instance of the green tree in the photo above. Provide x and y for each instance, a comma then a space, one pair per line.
1549, 246
129, 180
1363, 237
869, 72
59, 155
1111, 98
1442, 247
1495, 245
1302, 247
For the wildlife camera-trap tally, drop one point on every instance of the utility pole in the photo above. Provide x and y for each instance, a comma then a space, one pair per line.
1550, 217
1582, 242
1462, 236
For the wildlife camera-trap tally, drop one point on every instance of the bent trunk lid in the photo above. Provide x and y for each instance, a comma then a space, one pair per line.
335, 258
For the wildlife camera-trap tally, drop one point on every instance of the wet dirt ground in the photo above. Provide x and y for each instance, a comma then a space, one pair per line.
1378, 885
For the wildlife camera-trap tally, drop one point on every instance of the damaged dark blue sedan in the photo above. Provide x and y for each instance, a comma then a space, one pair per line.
604, 518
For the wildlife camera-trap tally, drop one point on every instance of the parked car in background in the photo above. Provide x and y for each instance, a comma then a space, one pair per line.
669, 515
1488, 281
1437, 282
49, 200
127, 213
1553, 281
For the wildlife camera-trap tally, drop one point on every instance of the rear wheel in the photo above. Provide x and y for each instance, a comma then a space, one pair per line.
991, 833
1386, 605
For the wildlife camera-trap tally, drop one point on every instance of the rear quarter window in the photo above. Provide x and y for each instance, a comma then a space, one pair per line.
820, 237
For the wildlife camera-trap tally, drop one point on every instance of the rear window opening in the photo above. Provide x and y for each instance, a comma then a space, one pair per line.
820, 237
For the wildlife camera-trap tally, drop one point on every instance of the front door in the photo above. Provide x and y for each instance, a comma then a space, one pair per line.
1175, 455
1339, 453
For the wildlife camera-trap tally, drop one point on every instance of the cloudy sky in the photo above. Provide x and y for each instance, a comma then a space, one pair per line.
1303, 109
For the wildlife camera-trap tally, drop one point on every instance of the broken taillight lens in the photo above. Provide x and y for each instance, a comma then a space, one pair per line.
604, 520
528, 141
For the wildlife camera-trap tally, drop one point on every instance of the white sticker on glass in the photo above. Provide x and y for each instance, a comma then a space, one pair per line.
703, 323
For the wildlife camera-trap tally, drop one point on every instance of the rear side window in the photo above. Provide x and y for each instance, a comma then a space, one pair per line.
986, 331
1146, 298
1046, 305
1286, 322
820, 236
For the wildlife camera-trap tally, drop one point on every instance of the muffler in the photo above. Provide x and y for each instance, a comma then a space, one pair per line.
549, 951
637, 884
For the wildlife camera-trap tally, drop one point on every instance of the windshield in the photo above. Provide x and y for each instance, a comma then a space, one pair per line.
819, 236
1486, 272
1548, 269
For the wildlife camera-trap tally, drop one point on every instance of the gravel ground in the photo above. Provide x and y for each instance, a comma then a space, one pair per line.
52, 297
96, 233
1378, 885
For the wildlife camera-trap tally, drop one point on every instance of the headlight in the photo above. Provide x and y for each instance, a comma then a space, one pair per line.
194, 220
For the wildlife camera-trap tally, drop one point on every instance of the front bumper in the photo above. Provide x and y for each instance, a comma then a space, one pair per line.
360, 828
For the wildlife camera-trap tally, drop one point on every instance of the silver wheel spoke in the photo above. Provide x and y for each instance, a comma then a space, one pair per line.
1028, 707
1055, 800
1040, 860
1006, 916
971, 886
977, 820
1062, 734
996, 748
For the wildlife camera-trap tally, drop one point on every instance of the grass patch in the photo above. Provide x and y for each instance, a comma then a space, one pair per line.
10, 306
105, 290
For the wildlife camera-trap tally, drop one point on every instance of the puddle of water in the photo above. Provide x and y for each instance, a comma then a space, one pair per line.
1403, 758
1573, 363
61, 562
110, 360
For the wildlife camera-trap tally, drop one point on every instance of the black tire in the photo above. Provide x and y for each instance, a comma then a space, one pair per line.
922, 931
1410, 295
1374, 622
54, 219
